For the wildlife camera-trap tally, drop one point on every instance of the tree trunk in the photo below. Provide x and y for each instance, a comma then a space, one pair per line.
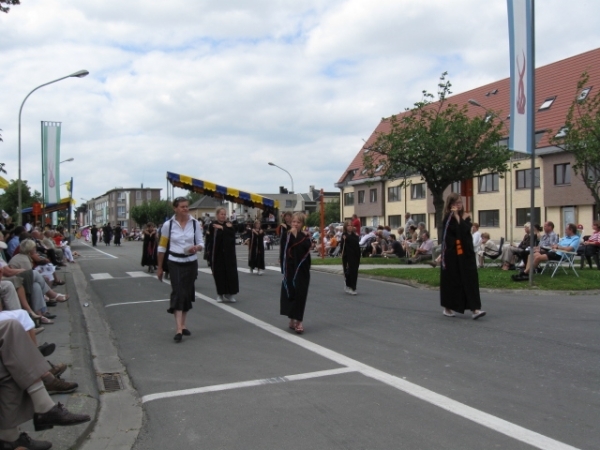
438, 204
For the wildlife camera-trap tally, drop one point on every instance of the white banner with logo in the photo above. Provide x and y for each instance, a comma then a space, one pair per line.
51, 161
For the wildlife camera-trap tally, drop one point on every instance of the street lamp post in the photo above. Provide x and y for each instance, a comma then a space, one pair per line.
79, 74
292, 180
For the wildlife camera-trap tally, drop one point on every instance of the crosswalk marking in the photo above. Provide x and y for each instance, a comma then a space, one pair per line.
101, 276
139, 274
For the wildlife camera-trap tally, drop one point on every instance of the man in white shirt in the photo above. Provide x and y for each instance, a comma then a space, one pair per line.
476, 235
425, 251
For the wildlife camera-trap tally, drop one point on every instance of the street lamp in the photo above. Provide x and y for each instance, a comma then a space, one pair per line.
79, 74
67, 160
271, 164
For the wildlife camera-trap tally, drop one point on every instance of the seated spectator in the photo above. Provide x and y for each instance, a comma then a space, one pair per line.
45, 252
592, 246
400, 236
366, 241
412, 238
378, 245
424, 252
28, 259
332, 244
512, 252
386, 232
476, 235
394, 248
13, 242
486, 246
568, 243
23, 370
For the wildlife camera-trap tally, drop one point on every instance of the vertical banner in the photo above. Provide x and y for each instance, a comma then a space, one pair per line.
51, 161
520, 27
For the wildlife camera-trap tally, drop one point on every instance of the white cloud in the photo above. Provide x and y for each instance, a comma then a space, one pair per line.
217, 89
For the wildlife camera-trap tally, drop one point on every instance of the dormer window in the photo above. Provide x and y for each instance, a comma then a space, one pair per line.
583, 94
562, 132
364, 171
547, 103
379, 167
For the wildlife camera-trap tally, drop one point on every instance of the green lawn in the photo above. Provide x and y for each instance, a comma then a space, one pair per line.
317, 261
495, 278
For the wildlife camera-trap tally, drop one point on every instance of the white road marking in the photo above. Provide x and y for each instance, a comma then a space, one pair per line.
208, 271
136, 303
243, 384
139, 274
275, 268
480, 417
100, 251
101, 276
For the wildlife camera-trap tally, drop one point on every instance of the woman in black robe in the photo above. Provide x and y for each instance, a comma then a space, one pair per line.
94, 233
296, 274
350, 257
118, 235
282, 231
256, 249
106, 234
223, 261
459, 282
149, 247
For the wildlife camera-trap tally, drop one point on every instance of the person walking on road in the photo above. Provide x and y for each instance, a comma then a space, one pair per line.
149, 254
220, 245
256, 249
459, 281
282, 232
296, 274
350, 256
181, 240
94, 233
118, 235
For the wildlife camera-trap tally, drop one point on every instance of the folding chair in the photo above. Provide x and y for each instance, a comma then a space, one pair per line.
566, 257
494, 256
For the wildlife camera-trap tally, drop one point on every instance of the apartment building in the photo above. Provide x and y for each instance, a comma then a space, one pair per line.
500, 203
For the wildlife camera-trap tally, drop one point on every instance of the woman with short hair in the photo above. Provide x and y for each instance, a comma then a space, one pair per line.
180, 241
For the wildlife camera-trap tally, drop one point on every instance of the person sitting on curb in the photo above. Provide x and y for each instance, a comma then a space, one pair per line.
24, 370
485, 246
424, 251
568, 243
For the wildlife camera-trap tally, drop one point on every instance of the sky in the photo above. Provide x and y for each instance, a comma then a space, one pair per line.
217, 89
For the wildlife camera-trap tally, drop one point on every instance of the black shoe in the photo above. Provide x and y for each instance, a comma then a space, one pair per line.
47, 349
52, 303
48, 315
186, 332
26, 442
58, 415
178, 337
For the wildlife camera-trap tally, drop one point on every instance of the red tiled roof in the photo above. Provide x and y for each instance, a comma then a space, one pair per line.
557, 79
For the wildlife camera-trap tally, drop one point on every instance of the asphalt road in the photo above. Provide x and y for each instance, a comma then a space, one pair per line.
382, 370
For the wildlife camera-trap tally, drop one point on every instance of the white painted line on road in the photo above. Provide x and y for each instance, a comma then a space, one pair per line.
208, 271
482, 418
243, 384
101, 276
275, 268
139, 274
136, 303
100, 251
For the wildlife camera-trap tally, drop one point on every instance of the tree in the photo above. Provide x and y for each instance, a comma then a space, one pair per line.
155, 211
581, 137
5, 9
439, 142
193, 196
332, 214
9, 200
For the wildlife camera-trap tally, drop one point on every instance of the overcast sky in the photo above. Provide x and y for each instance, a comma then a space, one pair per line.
216, 89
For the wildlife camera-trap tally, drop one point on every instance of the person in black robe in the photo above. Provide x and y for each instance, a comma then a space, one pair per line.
149, 247
350, 256
118, 235
106, 234
459, 281
296, 274
256, 249
282, 231
223, 261
94, 233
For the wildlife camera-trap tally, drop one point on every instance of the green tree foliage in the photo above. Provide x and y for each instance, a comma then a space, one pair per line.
193, 197
9, 200
155, 211
332, 214
581, 137
440, 142
5, 9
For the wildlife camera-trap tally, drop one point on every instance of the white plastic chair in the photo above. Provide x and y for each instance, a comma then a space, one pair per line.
566, 257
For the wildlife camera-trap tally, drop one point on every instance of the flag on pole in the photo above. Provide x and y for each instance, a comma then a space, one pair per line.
520, 27
51, 161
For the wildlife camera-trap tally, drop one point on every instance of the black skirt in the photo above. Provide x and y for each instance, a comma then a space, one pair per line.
183, 277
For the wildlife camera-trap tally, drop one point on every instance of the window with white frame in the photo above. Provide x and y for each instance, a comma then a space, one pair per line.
120, 211
418, 191
373, 195
394, 194
488, 182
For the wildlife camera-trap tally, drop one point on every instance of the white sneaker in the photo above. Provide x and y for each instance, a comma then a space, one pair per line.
260, 272
351, 292
230, 298
219, 299
346, 289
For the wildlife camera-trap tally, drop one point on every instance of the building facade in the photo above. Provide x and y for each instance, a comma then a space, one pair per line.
500, 203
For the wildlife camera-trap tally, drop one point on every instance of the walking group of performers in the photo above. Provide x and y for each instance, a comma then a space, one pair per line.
181, 239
